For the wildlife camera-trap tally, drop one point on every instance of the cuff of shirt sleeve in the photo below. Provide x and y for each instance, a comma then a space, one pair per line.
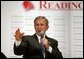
50, 49
17, 43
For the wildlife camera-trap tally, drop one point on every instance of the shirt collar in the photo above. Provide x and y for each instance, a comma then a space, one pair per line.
39, 37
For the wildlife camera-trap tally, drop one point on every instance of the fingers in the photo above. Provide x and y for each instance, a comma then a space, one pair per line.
22, 34
17, 31
18, 35
44, 41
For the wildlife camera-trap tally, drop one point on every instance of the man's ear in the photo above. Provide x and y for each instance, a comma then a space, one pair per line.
47, 27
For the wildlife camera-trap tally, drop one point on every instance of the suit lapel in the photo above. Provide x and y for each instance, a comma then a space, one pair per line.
35, 42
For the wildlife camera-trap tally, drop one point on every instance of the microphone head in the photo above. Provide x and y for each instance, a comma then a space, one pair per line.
42, 34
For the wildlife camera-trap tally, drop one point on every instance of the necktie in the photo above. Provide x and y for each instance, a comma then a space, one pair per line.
43, 49
42, 46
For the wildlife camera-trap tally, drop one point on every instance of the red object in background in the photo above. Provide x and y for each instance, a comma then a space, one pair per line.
27, 5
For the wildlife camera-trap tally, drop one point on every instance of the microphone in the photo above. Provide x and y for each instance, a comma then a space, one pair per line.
42, 33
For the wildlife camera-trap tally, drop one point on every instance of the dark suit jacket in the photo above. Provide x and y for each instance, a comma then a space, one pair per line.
30, 48
2, 55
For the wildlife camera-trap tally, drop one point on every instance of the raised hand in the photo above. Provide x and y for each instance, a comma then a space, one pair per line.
18, 35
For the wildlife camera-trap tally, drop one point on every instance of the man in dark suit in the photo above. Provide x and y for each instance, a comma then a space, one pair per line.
36, 46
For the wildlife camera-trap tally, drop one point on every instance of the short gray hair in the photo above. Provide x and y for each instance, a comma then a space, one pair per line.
41, 17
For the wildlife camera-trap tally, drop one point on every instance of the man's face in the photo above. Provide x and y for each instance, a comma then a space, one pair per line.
40, 25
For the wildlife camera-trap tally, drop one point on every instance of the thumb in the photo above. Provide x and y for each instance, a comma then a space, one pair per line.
14, 35
22, 34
